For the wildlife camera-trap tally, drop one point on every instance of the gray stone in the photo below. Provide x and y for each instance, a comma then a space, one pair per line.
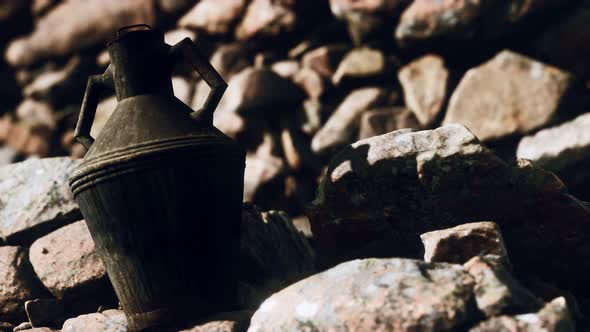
559, 147
510, 94
18, 282
424, 82
342, 126
360, 63
496, 290
69, 266
459, 244
392, 188
553, 317
372, 295
8, 155
106, 321
35, 198
384, 120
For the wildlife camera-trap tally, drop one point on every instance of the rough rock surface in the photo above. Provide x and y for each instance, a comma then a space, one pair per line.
106, 321
18, 282
458, 244
424, 82
496, 290
371, 295
558, 147
360, 63
214, 16
324, 60
73, 25
35, 198
394, 187
342, 126
68, 265
553, 317
507, 95
384, 120
266, 18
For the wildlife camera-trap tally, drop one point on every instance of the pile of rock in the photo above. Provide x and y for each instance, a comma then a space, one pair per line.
382, 106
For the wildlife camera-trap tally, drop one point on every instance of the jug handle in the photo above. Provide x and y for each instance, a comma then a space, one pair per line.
189, 51
97, 84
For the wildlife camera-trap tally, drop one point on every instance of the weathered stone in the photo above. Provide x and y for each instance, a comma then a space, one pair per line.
266, 18
75, 25
264, 169
35, 198
554, 317
510, 94
236, 321
392, 188
424, 82
311, 82
106, 321
23, 327
286, 68
366, 18
37, 112
29, 137
8, 155
183, 89
313, 114
372, 295
175, 7
59, 85
214, 16
384, 120
44, 312
324, 60
297, 151
342, 126
459, 244
259, 88
559, 147
69, 266
427, 20
496, 291
273, 253
360, 63
17, 282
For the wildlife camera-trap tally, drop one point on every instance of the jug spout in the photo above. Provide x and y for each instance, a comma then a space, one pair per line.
140, 63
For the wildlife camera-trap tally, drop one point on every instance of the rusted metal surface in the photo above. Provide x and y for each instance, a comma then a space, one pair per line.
160, 188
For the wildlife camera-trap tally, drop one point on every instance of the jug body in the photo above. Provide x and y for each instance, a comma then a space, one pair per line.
161, 191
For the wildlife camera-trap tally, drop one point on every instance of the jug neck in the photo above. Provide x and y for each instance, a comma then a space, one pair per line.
140, 64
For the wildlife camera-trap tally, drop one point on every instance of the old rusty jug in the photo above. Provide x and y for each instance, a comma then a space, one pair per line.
160, 187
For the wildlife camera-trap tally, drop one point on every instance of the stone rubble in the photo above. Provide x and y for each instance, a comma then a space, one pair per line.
398, 171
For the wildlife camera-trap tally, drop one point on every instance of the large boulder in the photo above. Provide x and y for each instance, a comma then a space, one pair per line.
372, 295
18, 283
35, 198
510, 94
386, 119
379, 194
69, 266
75, 25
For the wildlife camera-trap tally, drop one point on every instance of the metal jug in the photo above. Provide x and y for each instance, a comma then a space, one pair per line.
161, 187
